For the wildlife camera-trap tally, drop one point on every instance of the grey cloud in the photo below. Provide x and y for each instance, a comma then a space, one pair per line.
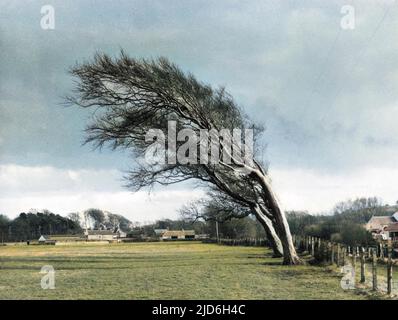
321, 91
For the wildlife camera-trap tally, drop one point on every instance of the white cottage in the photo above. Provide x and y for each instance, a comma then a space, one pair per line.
179, 235
100, 235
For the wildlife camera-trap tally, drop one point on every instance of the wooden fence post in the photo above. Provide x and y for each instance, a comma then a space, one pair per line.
332, 253
362, 253
343, 256
321, 251
313, 246
381, 255
338, 255
319, 246
354, 262
374, 269
389, 271
326, 251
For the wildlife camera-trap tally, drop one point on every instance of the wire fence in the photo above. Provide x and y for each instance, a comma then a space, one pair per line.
371, 268
362, 267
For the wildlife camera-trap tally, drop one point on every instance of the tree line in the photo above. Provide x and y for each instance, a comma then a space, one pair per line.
345, 224
31, 225
233, 229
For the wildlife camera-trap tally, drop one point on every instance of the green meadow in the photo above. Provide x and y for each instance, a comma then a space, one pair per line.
172, 270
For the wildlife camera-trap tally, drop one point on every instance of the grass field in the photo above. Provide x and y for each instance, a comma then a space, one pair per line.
185, 270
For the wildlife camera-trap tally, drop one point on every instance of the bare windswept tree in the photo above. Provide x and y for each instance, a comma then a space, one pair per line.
132, 97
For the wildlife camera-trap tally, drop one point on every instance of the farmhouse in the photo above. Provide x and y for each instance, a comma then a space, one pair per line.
178, 235
160, 232
43, 240
382, 226
121, 234
98, 235
392, 230
377, 224
104, 234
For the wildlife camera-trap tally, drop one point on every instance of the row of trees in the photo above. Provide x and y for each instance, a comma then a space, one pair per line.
28, 226
33, 224
345, 224
246, 227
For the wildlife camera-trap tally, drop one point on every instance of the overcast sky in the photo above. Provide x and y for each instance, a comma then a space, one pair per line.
327, 96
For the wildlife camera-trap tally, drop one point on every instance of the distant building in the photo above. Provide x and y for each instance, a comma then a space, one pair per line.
382, 227
160, 232
104, 235
377, 223
121, 234
178, 235
392, 230
43, 240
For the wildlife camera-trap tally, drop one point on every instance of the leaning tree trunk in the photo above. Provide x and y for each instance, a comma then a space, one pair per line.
280, 222
270, 231
282, 226
289, 252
